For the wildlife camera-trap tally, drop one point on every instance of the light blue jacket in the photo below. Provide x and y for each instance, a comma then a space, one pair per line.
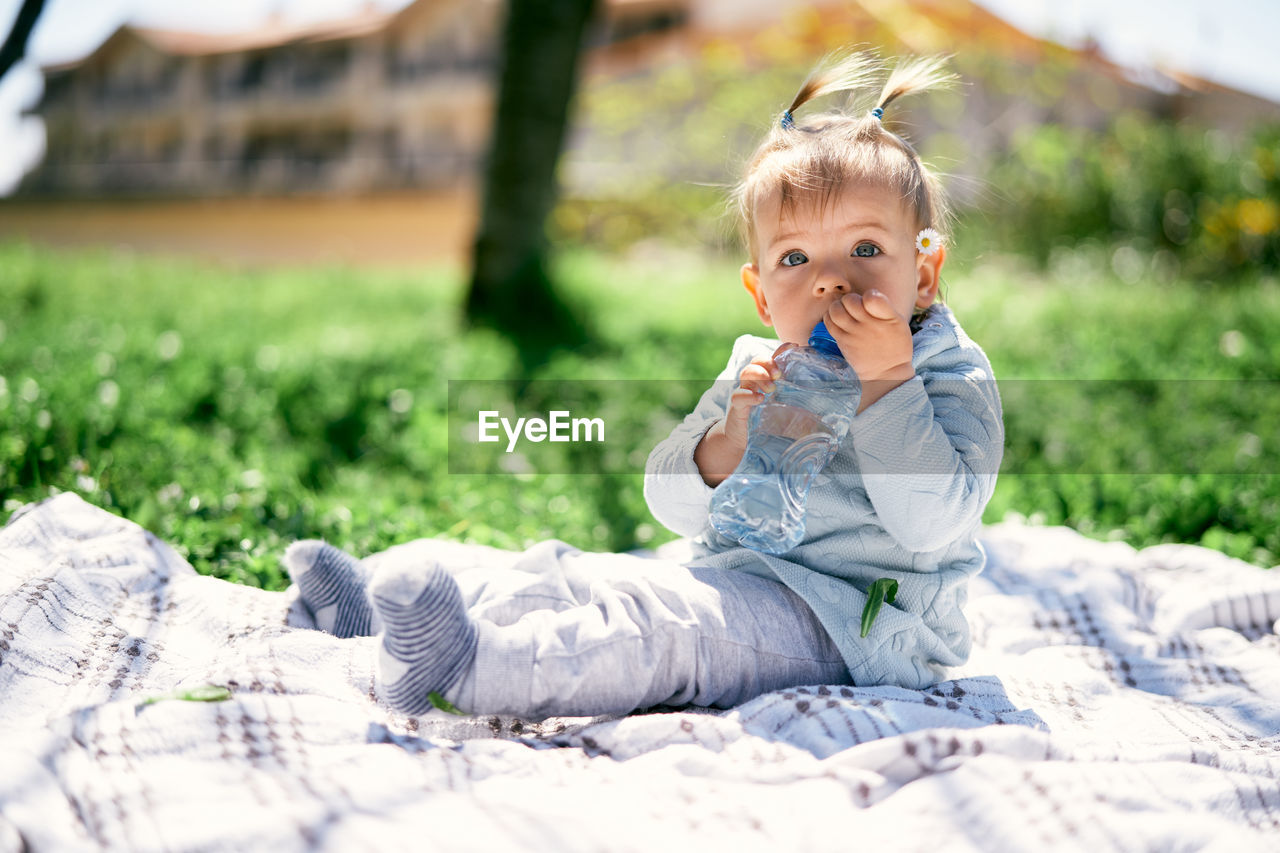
902, 499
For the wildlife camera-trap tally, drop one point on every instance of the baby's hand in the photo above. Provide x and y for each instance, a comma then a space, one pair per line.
722, 446
755, 380
874, 339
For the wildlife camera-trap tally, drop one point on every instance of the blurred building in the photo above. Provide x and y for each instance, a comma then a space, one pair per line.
403, 100
377, 101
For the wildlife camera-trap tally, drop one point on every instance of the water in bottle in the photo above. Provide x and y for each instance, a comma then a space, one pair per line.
791, 436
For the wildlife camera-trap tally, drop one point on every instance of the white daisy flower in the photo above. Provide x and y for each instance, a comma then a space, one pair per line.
928, 241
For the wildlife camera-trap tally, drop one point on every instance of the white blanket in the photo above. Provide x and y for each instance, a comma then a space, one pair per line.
1115, 700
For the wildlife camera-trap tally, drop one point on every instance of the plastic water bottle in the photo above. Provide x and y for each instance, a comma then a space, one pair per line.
791, 436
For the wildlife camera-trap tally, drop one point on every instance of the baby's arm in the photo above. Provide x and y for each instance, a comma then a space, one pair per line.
722, 446
929, 451
675, 486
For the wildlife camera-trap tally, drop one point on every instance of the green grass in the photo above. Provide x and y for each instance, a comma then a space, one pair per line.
233, 411
1191, 456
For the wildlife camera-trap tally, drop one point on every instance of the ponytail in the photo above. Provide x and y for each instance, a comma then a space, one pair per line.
850, 73
915, 75
854, 72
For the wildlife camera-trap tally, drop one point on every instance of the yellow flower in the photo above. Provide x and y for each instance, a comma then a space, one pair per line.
1258, 216
928, 241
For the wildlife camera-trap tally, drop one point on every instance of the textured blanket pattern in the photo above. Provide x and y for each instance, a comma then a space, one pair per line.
1115, 700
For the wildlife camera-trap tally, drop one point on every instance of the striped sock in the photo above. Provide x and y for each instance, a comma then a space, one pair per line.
428, 641
332, 585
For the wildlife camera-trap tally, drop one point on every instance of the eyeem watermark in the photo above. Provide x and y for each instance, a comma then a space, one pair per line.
558, 426
1171, 426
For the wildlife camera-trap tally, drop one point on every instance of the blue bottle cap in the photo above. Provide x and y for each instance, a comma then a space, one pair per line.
821, 340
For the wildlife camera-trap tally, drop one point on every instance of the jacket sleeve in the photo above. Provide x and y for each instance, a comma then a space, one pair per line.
674, 489
929, 452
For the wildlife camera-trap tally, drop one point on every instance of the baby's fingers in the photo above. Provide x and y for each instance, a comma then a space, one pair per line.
741, 402
879, 306
759, 376
745, 398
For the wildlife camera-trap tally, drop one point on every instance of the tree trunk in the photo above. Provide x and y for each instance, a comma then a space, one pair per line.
15, 46
511, 290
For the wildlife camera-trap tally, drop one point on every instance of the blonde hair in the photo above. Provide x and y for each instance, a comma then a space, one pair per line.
812, 159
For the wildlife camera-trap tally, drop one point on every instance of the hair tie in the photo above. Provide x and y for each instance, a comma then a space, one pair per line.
878, 113
788, 121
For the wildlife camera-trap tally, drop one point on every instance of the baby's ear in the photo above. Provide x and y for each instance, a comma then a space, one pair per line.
929, 276
751, 281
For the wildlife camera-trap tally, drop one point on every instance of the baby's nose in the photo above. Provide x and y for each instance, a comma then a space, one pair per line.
830, 284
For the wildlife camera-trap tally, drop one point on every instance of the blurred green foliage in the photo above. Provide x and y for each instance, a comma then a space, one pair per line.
1199, 201
231, 412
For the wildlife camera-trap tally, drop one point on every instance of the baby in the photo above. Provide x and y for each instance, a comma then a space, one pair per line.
842, 223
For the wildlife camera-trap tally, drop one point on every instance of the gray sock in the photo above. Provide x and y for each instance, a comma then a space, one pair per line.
332, 584
428, 641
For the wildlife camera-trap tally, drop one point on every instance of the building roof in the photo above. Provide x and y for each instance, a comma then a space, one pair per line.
274, 33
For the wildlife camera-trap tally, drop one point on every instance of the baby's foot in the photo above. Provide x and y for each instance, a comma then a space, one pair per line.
428, 641
332, 585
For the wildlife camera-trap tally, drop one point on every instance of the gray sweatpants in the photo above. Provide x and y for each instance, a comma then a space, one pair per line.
564, 632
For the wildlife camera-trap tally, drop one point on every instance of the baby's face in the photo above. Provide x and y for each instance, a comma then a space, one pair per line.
812, 254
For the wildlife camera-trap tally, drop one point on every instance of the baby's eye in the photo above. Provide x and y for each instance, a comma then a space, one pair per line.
794, 259
866, 250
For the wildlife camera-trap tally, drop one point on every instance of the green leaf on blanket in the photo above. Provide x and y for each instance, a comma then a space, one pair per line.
884, 589
445, 705
203, 693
